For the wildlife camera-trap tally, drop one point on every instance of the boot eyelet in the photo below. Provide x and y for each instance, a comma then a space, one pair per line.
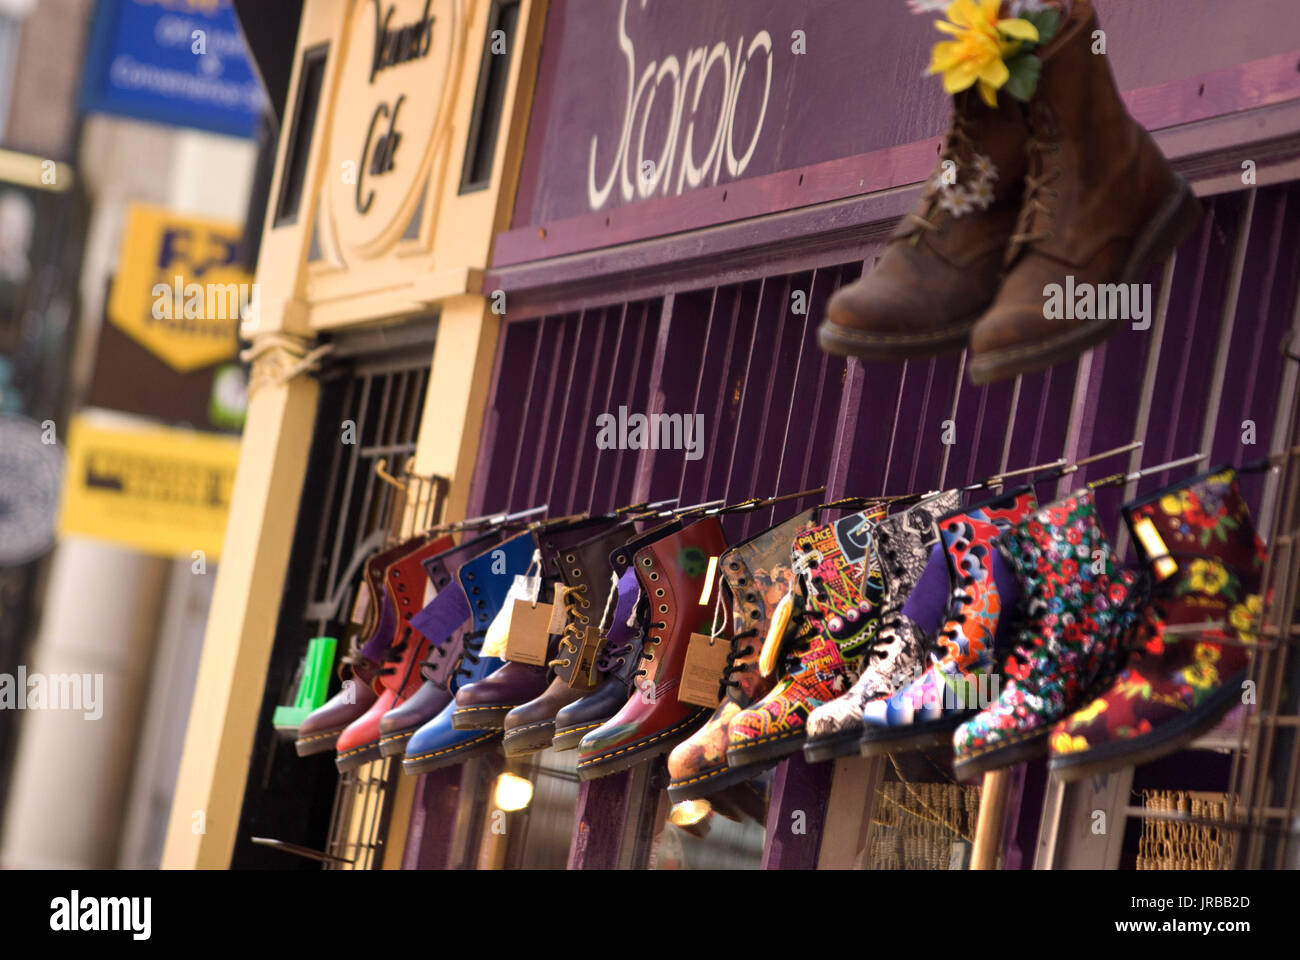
577, 574
659, 592
645, 561
654, 576
620, 559
663, 608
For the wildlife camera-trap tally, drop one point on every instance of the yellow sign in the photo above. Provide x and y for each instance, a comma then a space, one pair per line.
156, 489
180, 291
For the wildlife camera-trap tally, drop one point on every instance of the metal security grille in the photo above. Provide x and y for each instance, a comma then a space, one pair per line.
372, 396
1203, 378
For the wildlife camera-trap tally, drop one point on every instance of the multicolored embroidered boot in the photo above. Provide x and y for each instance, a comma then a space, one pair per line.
758, 574
822, 661
903, 545
925, 712
1199, 547
1077, 609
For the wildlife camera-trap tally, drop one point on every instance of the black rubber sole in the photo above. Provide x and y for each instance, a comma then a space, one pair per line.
999, 758
568, 738
769, 750
636, 753
842, 744
394, 744
707, 782
481, 718
452, 755
322, 742
912, 738
845, 341
530, 738
1177, 217
357, 757
1161, 742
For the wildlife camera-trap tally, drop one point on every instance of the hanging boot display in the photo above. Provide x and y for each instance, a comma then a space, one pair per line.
944, 260
399, 677
587, 570
758, 575
983, 590
486, 580
1204, 560
904, 543
1101, 205
442, 623
1077, 607
840, 620
619, 657
673, 574
484, 705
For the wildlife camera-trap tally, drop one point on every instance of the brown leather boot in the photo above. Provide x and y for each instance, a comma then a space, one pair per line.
1101, 205
942, 266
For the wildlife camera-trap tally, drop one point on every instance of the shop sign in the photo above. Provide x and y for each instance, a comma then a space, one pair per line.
154, 489
180, 290
178, 62
389, 118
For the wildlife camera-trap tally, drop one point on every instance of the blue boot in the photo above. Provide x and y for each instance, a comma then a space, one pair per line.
486, 581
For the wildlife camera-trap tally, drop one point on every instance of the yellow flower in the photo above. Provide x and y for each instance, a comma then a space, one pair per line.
1207, 576
1090, 712
1062, 742
1174, 503
1205, 653
1201, 676
1244, 617
978, 53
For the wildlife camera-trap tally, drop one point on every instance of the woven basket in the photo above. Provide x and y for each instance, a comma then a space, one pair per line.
916, 824
1170, 845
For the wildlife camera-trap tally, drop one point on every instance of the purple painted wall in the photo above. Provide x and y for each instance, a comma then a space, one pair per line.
851, 115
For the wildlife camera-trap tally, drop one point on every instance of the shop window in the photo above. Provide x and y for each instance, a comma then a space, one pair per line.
489, 97
306, 103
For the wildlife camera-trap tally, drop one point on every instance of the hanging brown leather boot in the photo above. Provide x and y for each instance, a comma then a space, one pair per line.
1101, 205
944, 260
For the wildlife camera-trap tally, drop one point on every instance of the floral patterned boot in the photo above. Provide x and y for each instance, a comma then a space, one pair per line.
903, 544
924, 713
832, 562
1077, 610
1200, 549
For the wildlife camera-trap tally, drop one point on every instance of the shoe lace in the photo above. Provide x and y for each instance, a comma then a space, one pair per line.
575, 599
1043, 140
393, 654
649, 640
958, 144
470, 656
743, 642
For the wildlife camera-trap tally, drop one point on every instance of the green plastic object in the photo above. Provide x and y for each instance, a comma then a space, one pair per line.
313, 687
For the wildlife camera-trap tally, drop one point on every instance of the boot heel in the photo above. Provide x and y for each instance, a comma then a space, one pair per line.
1176, 220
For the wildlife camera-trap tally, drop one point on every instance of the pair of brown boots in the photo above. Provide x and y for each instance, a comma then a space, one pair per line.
1066, 190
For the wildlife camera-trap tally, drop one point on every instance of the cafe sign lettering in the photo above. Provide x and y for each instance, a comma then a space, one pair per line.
391, 120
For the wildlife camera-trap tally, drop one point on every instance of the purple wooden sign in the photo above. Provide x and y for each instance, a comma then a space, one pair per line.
691, 114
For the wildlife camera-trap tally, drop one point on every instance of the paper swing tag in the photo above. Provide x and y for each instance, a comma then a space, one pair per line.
706, 659
524, 588
557, 609
527, 635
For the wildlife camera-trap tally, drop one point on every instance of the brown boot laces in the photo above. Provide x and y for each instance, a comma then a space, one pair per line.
574, 600
1043, 140
958, 145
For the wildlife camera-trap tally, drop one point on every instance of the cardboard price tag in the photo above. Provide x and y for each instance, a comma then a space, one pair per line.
527, 634
585, 674
706, 659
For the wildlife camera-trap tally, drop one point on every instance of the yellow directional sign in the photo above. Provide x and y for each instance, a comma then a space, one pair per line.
179, 290
155, 489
